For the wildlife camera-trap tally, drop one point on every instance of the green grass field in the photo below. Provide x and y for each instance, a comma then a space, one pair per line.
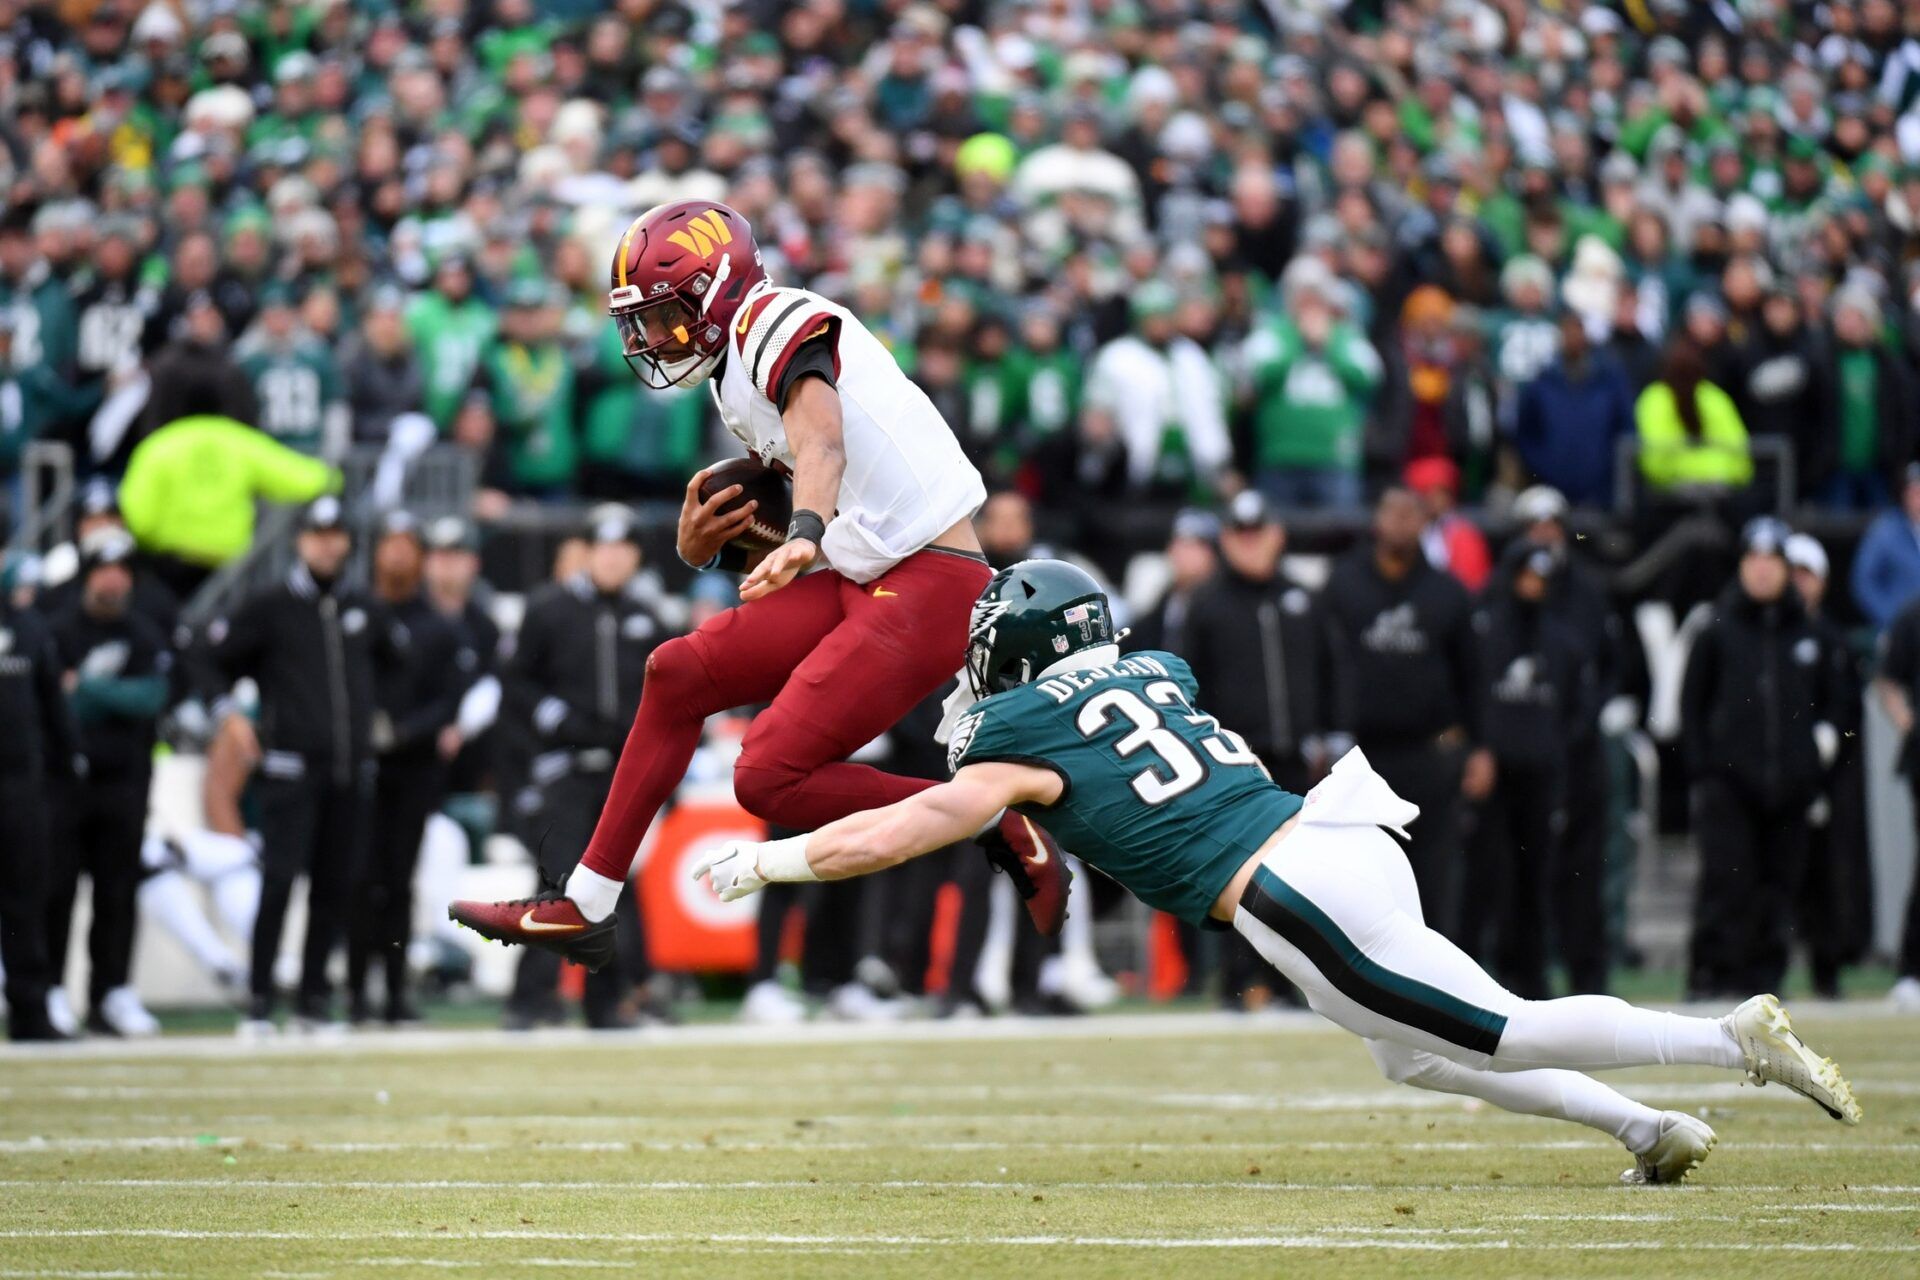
1145, 1145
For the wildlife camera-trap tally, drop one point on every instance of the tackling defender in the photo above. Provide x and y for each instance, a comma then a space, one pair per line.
881, 492
1116, 757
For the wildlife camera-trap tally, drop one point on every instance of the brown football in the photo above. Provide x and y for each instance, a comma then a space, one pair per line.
758, 483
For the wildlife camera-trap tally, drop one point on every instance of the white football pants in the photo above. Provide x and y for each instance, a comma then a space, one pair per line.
1335, 909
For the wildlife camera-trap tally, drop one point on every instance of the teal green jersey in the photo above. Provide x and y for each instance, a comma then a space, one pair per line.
1158, 796
296, 387
451, 338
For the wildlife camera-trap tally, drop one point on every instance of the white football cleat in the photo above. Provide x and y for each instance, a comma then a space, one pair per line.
122, 1011
1773, 1052
1905, 995
322, 1029
771, 1005
1683, 1143
853, 1002
256, 1031
1084, 986
60, 1012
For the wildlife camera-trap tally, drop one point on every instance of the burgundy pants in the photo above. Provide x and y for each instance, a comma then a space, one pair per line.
839, 661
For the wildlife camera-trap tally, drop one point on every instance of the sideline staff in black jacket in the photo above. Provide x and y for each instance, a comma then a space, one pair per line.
1539, 690
39, 740
118, 665
1758, 709
416, 696
1835, 898
1577, 597
574, 674
1257, 645
451, 576
1406, 687
1256, 638
309, 643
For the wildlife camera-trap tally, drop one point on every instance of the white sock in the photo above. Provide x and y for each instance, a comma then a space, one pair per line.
1557, 1095
1591, 1033
593, 893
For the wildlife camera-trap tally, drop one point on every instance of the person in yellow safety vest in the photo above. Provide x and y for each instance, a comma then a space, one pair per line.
189, 491
1691, 435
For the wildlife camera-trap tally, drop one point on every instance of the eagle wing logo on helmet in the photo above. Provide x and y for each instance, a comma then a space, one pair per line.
985, 614
703, 234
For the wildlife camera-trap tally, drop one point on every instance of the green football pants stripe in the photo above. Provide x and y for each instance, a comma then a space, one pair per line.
1283, 909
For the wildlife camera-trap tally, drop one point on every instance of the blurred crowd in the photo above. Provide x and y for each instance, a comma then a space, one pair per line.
1466, 272
1143, 248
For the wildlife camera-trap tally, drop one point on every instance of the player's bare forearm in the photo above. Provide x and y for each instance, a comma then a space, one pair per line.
880, 838
863, 843
812, 421
935, 818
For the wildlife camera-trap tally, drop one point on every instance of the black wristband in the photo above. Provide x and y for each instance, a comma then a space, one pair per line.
808, 525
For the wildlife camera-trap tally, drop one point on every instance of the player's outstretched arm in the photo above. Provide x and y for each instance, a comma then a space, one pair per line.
863, 843
814, 430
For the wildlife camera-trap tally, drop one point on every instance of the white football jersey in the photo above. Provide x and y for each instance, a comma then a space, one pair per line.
906, 481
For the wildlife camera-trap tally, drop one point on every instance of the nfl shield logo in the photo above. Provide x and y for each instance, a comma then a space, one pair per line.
1059, 644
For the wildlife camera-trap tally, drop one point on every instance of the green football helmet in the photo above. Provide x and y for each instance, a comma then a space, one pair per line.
1031, 615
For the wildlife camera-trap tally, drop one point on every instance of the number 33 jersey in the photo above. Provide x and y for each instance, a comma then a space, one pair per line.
1158, 796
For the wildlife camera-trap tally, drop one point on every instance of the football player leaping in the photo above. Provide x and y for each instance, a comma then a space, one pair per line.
1116, 757
881, 493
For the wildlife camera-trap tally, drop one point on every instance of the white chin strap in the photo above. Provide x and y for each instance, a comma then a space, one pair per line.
702, 367
713, 290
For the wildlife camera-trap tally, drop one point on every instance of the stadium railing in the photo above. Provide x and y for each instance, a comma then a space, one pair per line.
47, 491
517, 545
1774, 471
440, 482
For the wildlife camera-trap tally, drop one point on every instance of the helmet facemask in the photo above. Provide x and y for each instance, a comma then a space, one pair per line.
984, 680
665, 340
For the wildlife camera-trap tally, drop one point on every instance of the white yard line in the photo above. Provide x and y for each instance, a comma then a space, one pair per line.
1843, 1208
1333, 1239
801, 1145
1135, 1026
1143, 1026
98, 1093
1649, 1091
589, 1264
667, 1097
1251, 1184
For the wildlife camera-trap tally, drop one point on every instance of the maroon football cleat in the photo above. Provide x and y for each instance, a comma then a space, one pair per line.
547, 920
1032, 860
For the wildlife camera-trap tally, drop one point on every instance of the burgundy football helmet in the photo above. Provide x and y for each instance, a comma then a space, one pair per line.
679, 276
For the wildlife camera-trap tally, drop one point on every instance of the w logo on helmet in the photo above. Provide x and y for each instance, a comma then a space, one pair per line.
703, 233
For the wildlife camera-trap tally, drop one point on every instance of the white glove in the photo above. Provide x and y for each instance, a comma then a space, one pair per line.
733, 869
